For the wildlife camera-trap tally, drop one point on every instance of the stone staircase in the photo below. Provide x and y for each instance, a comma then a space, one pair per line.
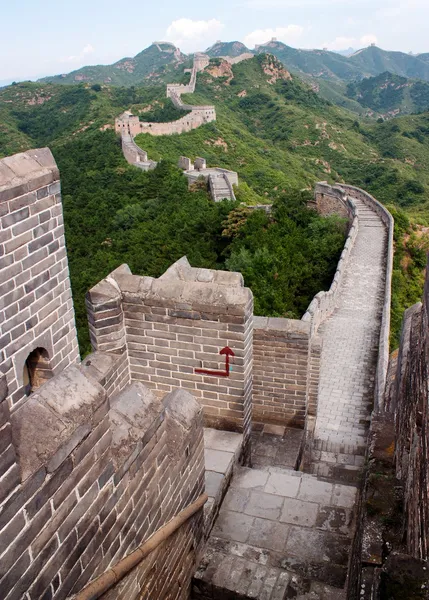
280, 534
220, 188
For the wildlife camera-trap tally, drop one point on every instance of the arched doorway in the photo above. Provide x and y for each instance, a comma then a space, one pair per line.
37, 370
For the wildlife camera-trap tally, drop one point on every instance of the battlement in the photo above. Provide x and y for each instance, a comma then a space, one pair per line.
127, 124
96, 456
38, 335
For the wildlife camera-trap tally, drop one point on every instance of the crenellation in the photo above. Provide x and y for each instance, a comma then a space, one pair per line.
95, 456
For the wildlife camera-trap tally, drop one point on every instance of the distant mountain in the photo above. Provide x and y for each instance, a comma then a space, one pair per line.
367, 62
232, 49
374, 61
152, 65
162, 62
317, 63
347, 52
390, 95
424, 57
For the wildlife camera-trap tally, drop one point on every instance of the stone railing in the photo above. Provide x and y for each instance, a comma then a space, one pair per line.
383, 351
134, 155
323, 304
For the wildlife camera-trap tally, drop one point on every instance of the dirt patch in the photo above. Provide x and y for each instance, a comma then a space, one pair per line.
274, 69
219, 142
224, 69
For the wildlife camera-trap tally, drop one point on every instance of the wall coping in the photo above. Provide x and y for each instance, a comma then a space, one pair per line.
25, 172
323, 303
383, 350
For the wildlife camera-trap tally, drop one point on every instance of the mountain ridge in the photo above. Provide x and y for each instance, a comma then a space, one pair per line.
159, 63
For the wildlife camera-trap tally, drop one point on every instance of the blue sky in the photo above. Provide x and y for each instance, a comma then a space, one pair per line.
44, 37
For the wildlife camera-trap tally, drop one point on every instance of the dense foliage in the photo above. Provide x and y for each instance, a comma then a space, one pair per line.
279, 134
388, 93
115, 214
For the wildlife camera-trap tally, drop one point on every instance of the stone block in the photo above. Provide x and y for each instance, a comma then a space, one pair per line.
266, 506
268, 534
282, 484
298, 512
233, 526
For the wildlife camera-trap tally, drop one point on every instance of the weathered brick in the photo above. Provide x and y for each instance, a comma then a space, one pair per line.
50, 487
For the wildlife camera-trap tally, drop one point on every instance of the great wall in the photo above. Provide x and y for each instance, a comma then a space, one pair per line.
220, 181
197, 115
189, 401
201, 451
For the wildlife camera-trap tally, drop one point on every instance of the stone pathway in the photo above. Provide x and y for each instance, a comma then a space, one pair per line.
349, 356
284, 534
279, 534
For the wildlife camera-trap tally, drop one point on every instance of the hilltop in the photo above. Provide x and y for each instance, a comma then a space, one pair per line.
162, 62
157, 63
389, 95
232, 49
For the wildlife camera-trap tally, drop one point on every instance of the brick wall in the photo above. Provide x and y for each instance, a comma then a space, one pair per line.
36, 309
280, 373
98, 477
329, 201
410, 404
197, 117
176, 324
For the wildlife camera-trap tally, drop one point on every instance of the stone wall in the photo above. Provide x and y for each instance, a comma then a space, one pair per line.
134, 155
36, 309
196, 118
383, 350
280, 373
90, 464
323, 304
98, 477
173, 327
329, 200
410, 404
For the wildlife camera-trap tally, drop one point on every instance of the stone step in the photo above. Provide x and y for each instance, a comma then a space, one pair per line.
343, 448
242, 572
338, 458
222, 452
345, 474
279, 528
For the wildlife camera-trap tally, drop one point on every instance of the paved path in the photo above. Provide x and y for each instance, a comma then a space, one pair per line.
349, 353
282, 533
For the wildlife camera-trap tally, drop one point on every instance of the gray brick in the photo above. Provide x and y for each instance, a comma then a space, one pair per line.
15, 217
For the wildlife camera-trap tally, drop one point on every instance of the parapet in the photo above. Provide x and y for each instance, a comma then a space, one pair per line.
26, 172
37, 329
176, 332
98, 477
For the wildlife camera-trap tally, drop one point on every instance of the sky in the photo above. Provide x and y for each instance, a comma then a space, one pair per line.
47, 37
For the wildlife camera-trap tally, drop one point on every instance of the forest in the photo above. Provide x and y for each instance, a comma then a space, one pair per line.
117, 214
279, 134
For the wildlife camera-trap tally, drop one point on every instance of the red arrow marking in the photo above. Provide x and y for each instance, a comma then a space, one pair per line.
227, 352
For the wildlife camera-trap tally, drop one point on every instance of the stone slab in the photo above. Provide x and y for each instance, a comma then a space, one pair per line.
298, 512
264, 505
282, 485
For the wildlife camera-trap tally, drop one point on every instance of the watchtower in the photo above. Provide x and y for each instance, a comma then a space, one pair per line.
37, 328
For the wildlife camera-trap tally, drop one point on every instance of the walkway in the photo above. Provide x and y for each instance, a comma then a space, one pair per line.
282, 533
349, 354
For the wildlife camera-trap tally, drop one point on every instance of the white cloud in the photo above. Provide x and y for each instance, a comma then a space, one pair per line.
264, 4
288, 35
344, 43
340, 43
88, 49
187, 33
367, 40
